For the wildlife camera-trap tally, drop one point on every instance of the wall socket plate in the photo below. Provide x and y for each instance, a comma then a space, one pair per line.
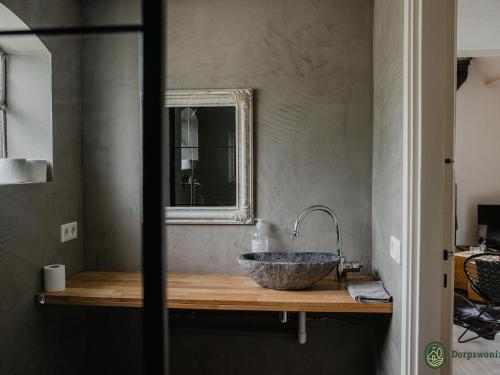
396, 249
69, 231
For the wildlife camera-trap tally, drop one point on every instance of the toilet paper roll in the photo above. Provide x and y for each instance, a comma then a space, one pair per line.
37, 170
13, 171
54, 277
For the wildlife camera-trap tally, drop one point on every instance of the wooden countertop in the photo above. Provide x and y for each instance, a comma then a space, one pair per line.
209, 292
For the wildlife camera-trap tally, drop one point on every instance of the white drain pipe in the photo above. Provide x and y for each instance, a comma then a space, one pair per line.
302, 328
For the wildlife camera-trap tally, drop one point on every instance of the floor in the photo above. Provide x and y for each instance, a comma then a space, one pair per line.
475, 366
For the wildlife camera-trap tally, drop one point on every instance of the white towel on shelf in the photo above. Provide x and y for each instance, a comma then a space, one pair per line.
368, 291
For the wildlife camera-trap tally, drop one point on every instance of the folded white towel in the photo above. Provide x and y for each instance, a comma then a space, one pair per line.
368, 291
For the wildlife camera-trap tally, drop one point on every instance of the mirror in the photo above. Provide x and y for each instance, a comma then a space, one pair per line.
210, 156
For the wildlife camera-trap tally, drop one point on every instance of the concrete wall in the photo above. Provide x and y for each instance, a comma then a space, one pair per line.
33, 339
111, 140
311, 69
387, 195
310, 64
477, 153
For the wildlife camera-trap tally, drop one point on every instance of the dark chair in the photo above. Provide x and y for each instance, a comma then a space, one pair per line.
483, 272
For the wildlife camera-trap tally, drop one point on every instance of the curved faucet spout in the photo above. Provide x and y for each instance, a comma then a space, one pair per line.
336, 222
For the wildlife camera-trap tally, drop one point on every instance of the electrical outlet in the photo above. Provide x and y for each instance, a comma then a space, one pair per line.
396, 249
69, 231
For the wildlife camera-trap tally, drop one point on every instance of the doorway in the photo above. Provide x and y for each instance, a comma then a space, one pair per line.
477, 194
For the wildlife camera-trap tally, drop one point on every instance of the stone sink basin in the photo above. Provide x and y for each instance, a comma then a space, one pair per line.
288, 270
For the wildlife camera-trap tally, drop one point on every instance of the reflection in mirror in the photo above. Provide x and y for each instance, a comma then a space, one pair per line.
203, 159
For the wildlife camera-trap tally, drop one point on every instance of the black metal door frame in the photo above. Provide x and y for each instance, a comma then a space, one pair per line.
153, 67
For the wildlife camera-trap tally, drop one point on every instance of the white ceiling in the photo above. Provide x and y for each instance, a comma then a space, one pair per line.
478, 28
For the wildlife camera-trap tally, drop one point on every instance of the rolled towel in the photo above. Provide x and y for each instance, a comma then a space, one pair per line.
368, 291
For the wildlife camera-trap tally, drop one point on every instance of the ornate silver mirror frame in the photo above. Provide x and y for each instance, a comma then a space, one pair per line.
243, 212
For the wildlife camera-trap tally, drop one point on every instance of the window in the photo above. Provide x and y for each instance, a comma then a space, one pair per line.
26, 145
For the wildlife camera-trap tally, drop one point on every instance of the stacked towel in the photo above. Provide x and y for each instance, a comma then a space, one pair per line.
368, 291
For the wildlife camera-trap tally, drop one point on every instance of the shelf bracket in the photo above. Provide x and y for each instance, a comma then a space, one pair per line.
283, 316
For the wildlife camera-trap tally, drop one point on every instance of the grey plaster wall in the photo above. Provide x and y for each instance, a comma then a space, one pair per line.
311, 67
111, 139
310, 64
34, 339
387, 169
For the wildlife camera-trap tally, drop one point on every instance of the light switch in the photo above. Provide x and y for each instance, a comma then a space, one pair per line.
396, 249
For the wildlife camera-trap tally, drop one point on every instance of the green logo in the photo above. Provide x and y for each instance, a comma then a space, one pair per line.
435, 355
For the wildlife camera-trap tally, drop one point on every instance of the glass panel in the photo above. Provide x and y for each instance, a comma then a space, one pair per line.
95, 158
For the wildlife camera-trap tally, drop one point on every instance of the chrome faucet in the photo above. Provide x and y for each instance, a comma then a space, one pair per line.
341, 269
